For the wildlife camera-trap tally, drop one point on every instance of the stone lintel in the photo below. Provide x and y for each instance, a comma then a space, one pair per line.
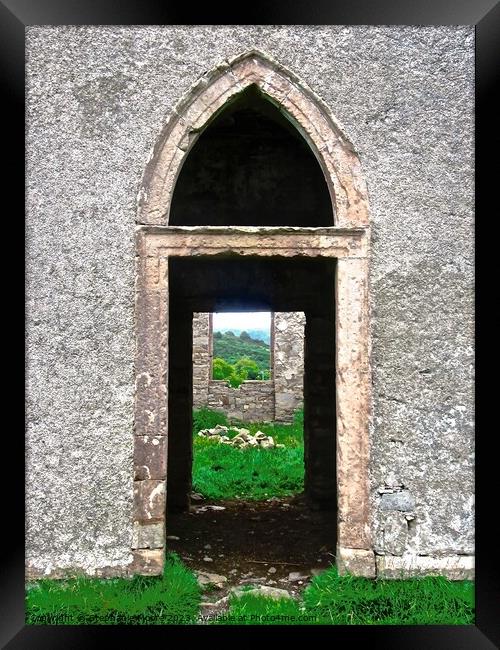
334, 242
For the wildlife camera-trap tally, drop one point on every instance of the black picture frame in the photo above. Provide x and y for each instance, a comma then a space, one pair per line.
485, 15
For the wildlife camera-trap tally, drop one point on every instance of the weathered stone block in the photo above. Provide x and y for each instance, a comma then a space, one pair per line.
458, 567
392, 537
150, 457
147, 562
355, 561
149, 500
150, 535
403, 501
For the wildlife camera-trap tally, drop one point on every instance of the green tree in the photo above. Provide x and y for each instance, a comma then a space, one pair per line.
236, 374
232, 348
222, 369
248, 367
237, 378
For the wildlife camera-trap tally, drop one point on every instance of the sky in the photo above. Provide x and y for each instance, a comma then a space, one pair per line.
252, 320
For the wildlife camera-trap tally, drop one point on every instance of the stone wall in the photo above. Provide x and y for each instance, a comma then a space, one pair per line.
202, 359
288, 358
97, 98
254, 401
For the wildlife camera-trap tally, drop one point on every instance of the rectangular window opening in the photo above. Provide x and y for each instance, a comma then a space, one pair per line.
241, 347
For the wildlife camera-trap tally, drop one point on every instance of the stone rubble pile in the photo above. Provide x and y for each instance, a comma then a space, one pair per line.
243, 437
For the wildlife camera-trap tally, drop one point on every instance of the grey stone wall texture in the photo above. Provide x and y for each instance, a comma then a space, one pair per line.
202, 358
288, 361
254, 401
97, 99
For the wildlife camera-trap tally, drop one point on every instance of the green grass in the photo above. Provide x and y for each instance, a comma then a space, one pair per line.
224, 472
349, 600
249, 609
172, 598
331, 599
206, 418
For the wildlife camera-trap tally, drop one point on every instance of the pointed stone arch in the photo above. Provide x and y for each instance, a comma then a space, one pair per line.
208, 97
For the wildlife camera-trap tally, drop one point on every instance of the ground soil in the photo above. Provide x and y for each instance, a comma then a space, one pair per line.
254, 543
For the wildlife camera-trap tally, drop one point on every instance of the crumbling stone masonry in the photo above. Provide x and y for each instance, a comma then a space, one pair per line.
122, 250
254, 401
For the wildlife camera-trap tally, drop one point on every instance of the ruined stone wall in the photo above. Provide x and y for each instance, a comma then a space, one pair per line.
97, 98
288, 363
202, 359
254, 401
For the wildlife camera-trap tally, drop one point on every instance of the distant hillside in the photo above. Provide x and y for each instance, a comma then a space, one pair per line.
230, 347
257, 335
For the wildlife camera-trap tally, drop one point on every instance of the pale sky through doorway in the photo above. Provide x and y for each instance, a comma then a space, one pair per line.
251, 320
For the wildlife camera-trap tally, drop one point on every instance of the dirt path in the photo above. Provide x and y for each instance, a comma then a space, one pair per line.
253, 543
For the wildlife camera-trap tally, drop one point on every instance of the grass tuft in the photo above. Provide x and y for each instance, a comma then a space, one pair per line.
252, 609
350, 600
206, 418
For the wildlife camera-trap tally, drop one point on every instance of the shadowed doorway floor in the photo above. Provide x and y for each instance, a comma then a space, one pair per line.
279, 542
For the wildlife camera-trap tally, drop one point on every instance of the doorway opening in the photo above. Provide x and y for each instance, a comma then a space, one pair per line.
304, 496
240, 448
252, 167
